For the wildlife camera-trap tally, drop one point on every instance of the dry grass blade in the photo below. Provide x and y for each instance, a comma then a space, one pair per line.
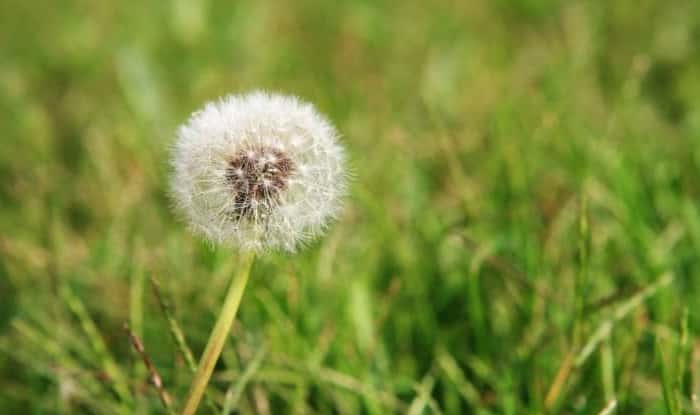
155, 378
559, 381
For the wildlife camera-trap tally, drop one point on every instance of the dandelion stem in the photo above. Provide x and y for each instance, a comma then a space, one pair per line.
218, 336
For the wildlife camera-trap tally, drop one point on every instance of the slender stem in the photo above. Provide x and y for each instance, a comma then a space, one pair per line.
156, 380
218, 336
175, 330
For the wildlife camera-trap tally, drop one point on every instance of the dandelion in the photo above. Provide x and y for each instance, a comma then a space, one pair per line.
256, 172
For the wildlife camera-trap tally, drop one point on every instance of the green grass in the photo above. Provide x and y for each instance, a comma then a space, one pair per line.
521, 237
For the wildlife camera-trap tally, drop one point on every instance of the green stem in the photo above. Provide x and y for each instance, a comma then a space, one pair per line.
218, 336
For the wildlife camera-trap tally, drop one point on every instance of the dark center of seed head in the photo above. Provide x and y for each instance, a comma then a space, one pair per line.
257, 175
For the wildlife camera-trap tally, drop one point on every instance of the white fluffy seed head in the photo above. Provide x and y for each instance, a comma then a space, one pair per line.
258, 172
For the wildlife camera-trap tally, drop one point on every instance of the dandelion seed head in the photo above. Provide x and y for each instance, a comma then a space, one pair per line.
258, 172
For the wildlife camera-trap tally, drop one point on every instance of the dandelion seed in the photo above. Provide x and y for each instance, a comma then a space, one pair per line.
258, 172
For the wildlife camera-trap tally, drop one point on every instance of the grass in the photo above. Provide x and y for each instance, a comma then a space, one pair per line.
522, 234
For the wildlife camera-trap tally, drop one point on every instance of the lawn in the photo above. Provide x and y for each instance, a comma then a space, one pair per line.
521, 234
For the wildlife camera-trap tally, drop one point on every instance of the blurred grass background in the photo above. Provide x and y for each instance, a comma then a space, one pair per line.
522, 234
